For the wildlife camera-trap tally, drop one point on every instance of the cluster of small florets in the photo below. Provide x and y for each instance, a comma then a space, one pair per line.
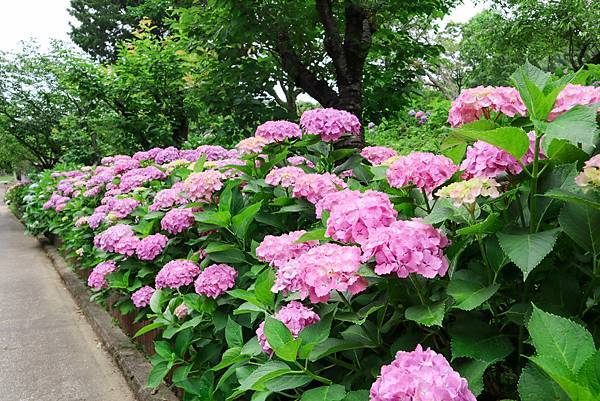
213, 152
474, 103
167, 155
251, 146
420, 116
177, 220
122, 164
141, 298
200, 187
56, 202
278, 131
313, 187
420, 375
97, 278
215, 280
96, 219
119, 239
300, 160
147, 155
485, 160
284, 176
181, 311
376, 155
407, 247
296, 318
424, 170
139, 176
321, 270
573, 95
167, 198
177, 273
466, 192
150, 247
329, 124
122, 208
354, 214
590, 175
277, 250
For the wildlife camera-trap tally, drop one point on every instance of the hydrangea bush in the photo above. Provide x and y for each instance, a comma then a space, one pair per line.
291, 269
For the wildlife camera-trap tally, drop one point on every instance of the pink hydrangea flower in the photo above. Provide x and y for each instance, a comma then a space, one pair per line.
122, 208
314, 187
284, 176
251, 146
573, 95
124, 163
485, 160
300, 160
407, 247
296, 318
420, 375
330, 124
167, 198
278, 131
590, 175
177, 273
321, 270
473, 103
200, 187
151, 246
97, 278
376, 155
56, 202
119, 239
91, 192
96, 219
139, 176
177, 220
215, 280
212, 152
167, 155
466, 192
277, 250
181, 311
224, 166
141, 298
421, 169
82, 221
354, 215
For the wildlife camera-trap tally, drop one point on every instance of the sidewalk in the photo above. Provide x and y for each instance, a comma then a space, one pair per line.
48, 351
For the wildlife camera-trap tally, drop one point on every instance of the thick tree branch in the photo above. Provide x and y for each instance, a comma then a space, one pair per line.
333, 41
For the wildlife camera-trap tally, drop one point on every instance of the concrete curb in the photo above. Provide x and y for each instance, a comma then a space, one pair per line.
130, 360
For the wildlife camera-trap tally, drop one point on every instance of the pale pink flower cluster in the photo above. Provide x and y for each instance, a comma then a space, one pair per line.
151, 246
466, 192
213, 152
284, 176
147, 155
277, 250
296, 318
300, 160
181, 311
215, 280
200, 187
573, 95
56, 202
376, 155
278, 131
177, 220
119, 239
424, 170
354, 214
177, 273
139, 176
313, 187
96, 219
167, 198
420, 376
167, 155
329, 124
405, 247
121, 208
97, 278
224, 166
82, 221
321, 270
473, 103
590, 175
124, 163
485, 160
251, 146
141, 297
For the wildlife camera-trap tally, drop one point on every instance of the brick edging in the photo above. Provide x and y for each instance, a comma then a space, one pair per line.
129, 359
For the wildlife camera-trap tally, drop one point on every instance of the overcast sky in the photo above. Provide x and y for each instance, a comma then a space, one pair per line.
46, 19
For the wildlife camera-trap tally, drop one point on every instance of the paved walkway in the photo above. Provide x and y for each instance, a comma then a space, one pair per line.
48, 351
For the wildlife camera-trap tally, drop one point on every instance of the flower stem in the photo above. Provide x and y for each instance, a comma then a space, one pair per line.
534, 185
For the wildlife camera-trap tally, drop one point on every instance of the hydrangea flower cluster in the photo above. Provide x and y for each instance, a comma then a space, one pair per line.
96, 219
424, 170
177, 273
590, 175
215, 280
573, 95
330, 124
141, 298
296, 318
150, 247
407, 247
473, 103
201, 186
300, 160
177, 220
354, 215
56, 202
466, 192
97, 278
167, 155
278, 131
119, 239
167, 198
212, 152
122, 164
121, 208
147, 155
137, 177
420, 116
252, 145
376, 155
420, 375
277, 250
485, 160
181, 311
284, 176
321, 270
313, 187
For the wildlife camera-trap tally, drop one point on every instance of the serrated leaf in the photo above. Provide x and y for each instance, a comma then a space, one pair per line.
262, 287
534, 385
262, 374
241, 221
528, 250
473, 370
485, 348
514, 140
427, 315
314, 235
578, 126
468, 294
582, 224
158, 373
287, 382
233, 333
335, 392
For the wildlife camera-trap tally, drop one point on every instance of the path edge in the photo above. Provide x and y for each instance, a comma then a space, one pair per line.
131, 361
